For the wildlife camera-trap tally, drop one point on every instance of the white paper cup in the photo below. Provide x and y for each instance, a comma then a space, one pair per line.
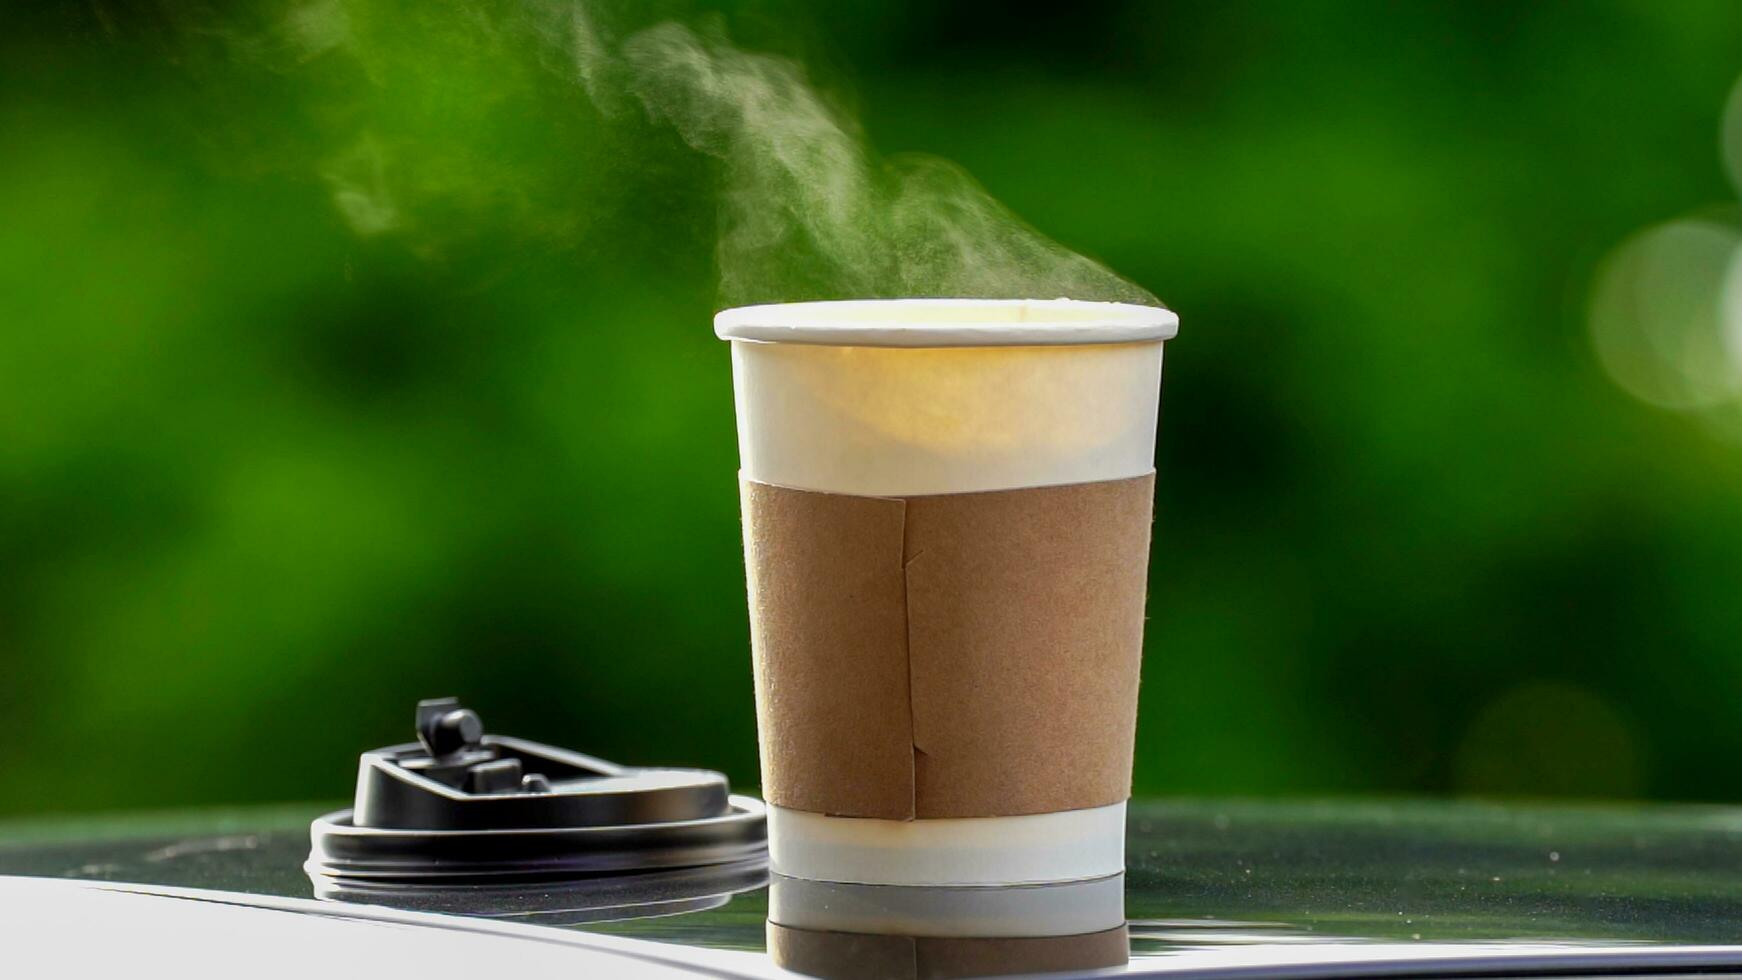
923, 396
903, 397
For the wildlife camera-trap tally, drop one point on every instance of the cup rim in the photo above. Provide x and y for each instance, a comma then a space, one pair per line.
947, 323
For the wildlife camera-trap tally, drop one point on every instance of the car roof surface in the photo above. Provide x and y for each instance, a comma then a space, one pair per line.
1214, 888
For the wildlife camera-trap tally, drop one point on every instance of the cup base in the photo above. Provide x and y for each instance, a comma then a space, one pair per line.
1065, 908
1031, 849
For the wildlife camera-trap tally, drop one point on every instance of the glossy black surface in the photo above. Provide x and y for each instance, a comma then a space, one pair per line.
1201, 875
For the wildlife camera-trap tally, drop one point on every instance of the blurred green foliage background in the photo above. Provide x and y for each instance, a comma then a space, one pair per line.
349, 356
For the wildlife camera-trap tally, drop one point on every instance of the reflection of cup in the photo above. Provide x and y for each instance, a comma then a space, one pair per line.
947, 508
838, 930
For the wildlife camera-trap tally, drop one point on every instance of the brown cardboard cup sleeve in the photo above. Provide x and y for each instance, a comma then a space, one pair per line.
953, 655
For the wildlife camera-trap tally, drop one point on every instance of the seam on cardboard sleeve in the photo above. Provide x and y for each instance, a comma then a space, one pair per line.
907, 658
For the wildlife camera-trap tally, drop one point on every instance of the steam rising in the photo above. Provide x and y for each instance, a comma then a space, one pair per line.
805, 209
800, 184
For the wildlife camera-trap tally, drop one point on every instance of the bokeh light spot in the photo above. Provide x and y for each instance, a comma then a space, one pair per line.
1659, 312
1730, 136
1550, 739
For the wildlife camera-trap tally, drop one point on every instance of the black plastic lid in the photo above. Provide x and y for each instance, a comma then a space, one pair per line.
459, 805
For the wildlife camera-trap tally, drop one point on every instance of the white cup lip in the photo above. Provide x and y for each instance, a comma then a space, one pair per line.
947, 323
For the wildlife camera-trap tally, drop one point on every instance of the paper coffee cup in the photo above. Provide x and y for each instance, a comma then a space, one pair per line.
1011, 442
